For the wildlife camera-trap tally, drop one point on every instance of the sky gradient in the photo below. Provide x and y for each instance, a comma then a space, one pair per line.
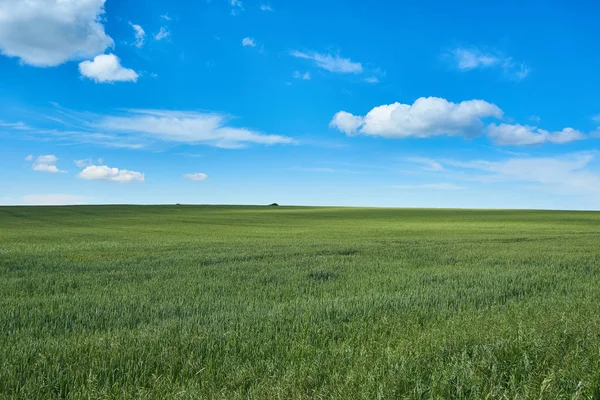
355, 103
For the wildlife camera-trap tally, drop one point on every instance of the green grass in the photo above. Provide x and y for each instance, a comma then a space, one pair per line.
187, 302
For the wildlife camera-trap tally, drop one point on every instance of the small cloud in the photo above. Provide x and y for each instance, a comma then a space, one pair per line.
432, 186
46, 163
166, 17
248, 42
304, 76
467, 59
103, 172
107, 68
86, 162
197, 176
330, 63
140, 35
163, 33
535, 119
372, 79
236, 7
265, 7
522, 135
429, 164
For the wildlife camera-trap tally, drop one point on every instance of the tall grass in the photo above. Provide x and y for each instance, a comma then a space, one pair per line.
280, 302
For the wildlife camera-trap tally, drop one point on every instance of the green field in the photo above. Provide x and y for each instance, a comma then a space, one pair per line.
192, 302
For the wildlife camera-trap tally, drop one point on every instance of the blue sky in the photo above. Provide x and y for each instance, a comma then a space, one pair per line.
361, 103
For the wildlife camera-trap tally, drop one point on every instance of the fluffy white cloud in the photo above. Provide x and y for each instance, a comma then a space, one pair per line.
198, 176
248, 42
305, 76
467, 59
186, 127
427, 116
53, 199
331, 63
518, 135
45, 163
103, 172
107, 68
46, 33
163, 33
346, 122
140, 35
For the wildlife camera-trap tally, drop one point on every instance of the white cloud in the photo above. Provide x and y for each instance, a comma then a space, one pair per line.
467, 59
46, 163
163, 33
197, 176
86, 162
166, 17
346, 122
140, 35
304, 76
331, 63
46, 33
107, 68
518, 135
103, 172
186, 127
266, 7
434, 186
53, 199
248, 42
427, 116
372, 79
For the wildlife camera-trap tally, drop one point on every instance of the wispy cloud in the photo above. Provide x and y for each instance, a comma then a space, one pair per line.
266, 7
163, 33
467, 59
565, 174
140, 35
196, 176
166, 17
236, 7
248, 42
331, 63
430, 186
304, 76
137, 128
